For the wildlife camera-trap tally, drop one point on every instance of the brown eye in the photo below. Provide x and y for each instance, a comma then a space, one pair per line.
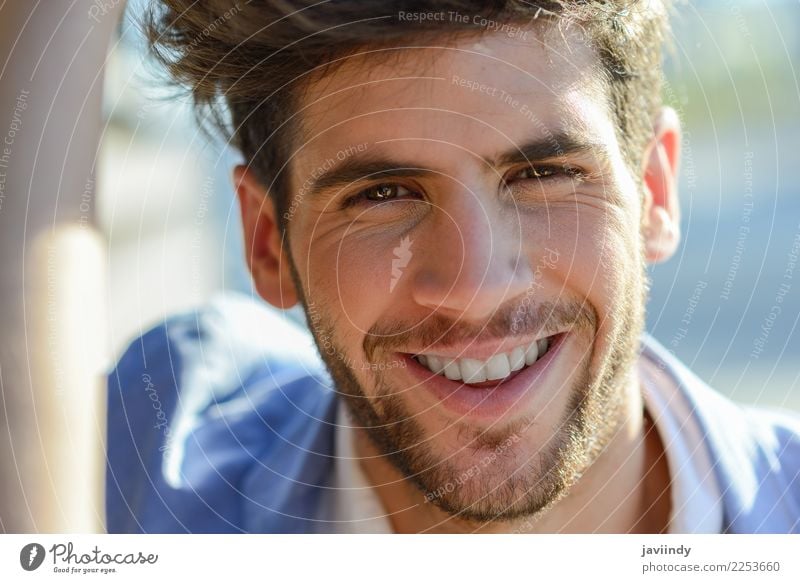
532, 172
385, 192
382, 192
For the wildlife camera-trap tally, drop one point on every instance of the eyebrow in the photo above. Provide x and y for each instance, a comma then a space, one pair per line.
371, 167
555, 146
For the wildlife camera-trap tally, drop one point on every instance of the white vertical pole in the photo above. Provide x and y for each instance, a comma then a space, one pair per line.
52, 301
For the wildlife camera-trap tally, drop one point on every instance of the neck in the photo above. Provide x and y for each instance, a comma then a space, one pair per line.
625, 490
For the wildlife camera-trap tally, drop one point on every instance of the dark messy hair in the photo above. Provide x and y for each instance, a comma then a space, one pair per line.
247, 63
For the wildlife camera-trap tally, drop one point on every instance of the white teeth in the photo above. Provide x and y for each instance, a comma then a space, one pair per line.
543, 344
452, 371
496, 367
472, 371
531, 354
517, 358
435, 364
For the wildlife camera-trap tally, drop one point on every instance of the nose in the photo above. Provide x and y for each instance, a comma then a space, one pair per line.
476, 260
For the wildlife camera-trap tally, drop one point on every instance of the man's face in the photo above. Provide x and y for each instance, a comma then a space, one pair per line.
468, 210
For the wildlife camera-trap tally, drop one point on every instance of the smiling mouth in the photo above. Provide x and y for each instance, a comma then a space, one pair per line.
490, 372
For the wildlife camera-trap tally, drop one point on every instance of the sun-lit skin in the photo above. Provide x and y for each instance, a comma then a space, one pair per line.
479, 231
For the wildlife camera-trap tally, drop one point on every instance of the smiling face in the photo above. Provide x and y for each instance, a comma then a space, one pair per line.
466, 239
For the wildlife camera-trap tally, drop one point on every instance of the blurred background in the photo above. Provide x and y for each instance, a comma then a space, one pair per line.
728, 304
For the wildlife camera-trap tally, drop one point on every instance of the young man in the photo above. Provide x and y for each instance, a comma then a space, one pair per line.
463, 199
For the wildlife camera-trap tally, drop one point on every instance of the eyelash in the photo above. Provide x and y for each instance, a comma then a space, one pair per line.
360, 196
554, 173
557, 172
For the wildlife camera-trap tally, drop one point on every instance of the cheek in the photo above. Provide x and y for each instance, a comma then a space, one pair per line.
350, 274
599, 258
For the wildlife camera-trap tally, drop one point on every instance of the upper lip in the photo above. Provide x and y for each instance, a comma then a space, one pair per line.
479, 350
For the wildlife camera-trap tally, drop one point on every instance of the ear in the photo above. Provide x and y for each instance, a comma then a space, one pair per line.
264, 247
661, 219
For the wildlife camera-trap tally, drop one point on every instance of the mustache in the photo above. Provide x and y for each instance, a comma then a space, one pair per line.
517, 319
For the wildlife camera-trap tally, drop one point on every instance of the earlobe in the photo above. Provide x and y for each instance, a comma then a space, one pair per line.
661, 220
266, 257
661, 237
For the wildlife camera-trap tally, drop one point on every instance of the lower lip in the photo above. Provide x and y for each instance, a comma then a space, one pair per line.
489, 402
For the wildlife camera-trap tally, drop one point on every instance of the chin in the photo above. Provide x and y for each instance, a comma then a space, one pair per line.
514, 479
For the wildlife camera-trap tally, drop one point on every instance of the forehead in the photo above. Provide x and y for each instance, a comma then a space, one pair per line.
476, 94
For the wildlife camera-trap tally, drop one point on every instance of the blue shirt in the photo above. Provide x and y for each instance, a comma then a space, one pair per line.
223, 420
